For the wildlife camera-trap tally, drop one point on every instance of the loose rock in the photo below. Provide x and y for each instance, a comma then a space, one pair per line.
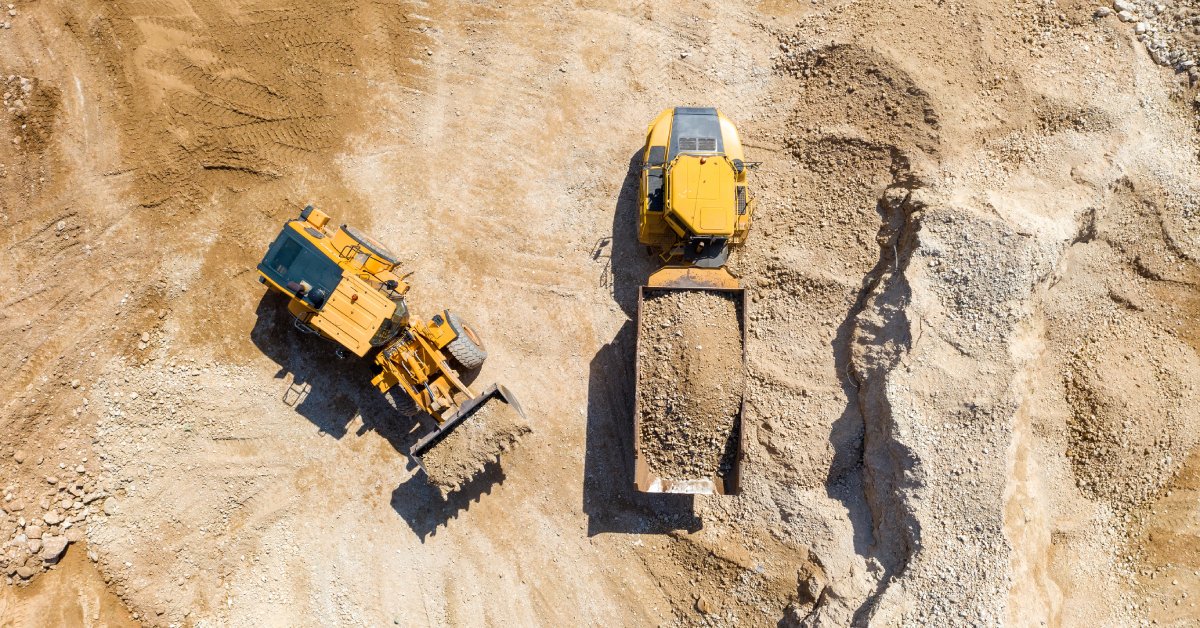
53, 548
690, 383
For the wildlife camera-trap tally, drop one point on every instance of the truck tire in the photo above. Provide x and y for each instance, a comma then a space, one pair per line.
466, 348
400, 401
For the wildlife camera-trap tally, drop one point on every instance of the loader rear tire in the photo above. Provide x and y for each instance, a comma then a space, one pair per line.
466, 348
400, 401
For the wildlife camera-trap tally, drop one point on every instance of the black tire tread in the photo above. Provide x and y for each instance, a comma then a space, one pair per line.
400, 401
469, 355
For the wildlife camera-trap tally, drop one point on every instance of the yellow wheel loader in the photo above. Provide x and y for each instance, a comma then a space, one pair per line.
343, 286
694, 207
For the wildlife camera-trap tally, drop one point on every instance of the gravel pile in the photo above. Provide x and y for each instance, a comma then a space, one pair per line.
38, 533
490, 431
1169, 30
690, 383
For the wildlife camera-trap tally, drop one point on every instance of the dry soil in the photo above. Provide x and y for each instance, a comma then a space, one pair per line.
973, 289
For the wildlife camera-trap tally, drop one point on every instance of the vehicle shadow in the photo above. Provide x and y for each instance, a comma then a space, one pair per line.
610, 501
426, 509
330, 391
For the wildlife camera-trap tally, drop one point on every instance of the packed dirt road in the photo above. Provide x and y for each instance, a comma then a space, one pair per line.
972, 303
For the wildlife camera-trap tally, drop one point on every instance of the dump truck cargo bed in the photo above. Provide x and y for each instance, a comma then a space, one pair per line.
689, 382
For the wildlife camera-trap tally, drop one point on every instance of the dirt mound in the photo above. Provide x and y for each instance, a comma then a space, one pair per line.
690, 383
858, 92
475, 443
74, 593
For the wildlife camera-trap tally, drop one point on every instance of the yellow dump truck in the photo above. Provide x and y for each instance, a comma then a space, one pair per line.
694, 207
343, 285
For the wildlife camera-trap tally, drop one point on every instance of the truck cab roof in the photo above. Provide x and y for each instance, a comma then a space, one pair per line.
695, 131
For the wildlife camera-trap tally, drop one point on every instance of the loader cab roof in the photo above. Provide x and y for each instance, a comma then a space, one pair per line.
292, 260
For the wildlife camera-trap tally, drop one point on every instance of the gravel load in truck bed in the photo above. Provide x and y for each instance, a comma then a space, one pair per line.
690, 382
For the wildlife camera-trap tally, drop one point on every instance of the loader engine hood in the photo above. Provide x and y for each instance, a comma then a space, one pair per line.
703, 200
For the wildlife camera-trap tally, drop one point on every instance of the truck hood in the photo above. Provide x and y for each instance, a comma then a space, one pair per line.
702, 198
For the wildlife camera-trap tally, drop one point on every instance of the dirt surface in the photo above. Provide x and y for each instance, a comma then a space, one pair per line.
476, 443
972, 288
691, 383
72, 595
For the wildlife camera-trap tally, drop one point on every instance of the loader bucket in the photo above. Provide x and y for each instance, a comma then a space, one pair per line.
646, 479
483, 428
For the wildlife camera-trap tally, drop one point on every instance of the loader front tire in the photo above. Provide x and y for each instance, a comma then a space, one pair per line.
400, 401
466, 348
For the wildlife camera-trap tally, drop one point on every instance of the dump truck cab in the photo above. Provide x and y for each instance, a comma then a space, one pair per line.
341, 282
693, 202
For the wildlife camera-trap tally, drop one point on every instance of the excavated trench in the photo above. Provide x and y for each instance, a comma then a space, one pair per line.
858, 123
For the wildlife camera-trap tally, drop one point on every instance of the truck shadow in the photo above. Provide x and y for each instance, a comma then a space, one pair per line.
610, 501
330, 391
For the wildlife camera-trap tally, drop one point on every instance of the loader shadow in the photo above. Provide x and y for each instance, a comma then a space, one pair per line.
330, 391
610, 501
426, 509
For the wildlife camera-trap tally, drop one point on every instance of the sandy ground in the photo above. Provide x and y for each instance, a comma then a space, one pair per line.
973, 313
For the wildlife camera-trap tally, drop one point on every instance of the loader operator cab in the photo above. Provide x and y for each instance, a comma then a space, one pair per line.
693, 200
296, 264
341, 282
